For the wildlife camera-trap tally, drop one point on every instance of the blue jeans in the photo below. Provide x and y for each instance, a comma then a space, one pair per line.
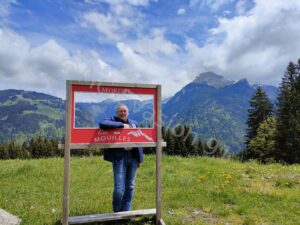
124, 177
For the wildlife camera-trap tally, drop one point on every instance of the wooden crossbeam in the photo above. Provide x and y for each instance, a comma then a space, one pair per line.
85, 146
111, 216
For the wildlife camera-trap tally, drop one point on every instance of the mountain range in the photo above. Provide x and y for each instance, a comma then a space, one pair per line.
212, 105
215, 107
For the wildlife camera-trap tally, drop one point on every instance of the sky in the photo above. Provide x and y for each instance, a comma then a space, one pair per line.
167, 42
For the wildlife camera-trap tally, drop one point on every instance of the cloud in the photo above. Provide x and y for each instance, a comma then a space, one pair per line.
214, 5
45, 67
115, 2
105, 24
180, 11
154, 59
140, 64
155, 43
240, 7
144, 68
115, 24
257, 45
5, 9
138, 2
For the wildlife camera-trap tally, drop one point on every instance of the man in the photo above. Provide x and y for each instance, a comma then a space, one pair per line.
125, 161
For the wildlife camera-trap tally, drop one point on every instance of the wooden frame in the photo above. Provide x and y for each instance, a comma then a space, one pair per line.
77, 144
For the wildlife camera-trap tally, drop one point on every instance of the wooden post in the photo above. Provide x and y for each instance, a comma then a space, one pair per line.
158, 157
65, 216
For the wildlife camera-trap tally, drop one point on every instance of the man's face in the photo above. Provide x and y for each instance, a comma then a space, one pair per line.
122, 113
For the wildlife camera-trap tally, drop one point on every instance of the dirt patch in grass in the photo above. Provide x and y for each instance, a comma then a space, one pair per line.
199, 215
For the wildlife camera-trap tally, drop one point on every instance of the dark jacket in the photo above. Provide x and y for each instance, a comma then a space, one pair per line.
115, 154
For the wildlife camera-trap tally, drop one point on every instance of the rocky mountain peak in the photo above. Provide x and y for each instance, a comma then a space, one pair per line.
212, 79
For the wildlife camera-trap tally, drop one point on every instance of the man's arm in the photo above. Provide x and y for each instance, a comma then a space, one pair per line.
110, 124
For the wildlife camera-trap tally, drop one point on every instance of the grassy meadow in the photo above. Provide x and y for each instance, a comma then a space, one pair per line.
196, 190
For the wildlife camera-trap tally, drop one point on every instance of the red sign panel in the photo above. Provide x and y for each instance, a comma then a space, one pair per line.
98, 136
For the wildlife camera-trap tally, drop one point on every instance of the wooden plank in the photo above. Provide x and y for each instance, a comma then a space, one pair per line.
85, 146
111, 216
158, 156
162, 222
98, 83
65, 214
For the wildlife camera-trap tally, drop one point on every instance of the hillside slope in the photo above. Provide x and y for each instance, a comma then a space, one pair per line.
24, 114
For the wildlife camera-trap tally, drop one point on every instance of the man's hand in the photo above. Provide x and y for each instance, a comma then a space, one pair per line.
126, 126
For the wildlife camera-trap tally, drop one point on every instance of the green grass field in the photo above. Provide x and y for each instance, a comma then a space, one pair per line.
195, 190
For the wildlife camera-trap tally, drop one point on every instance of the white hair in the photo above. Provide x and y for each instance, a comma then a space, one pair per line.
121, 105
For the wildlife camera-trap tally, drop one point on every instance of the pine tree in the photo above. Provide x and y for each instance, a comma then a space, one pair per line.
200, 147
262, 146
32, 148
15, 150
4, 154
260, 108
188, 140
171, 142
180, 146
288, 116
